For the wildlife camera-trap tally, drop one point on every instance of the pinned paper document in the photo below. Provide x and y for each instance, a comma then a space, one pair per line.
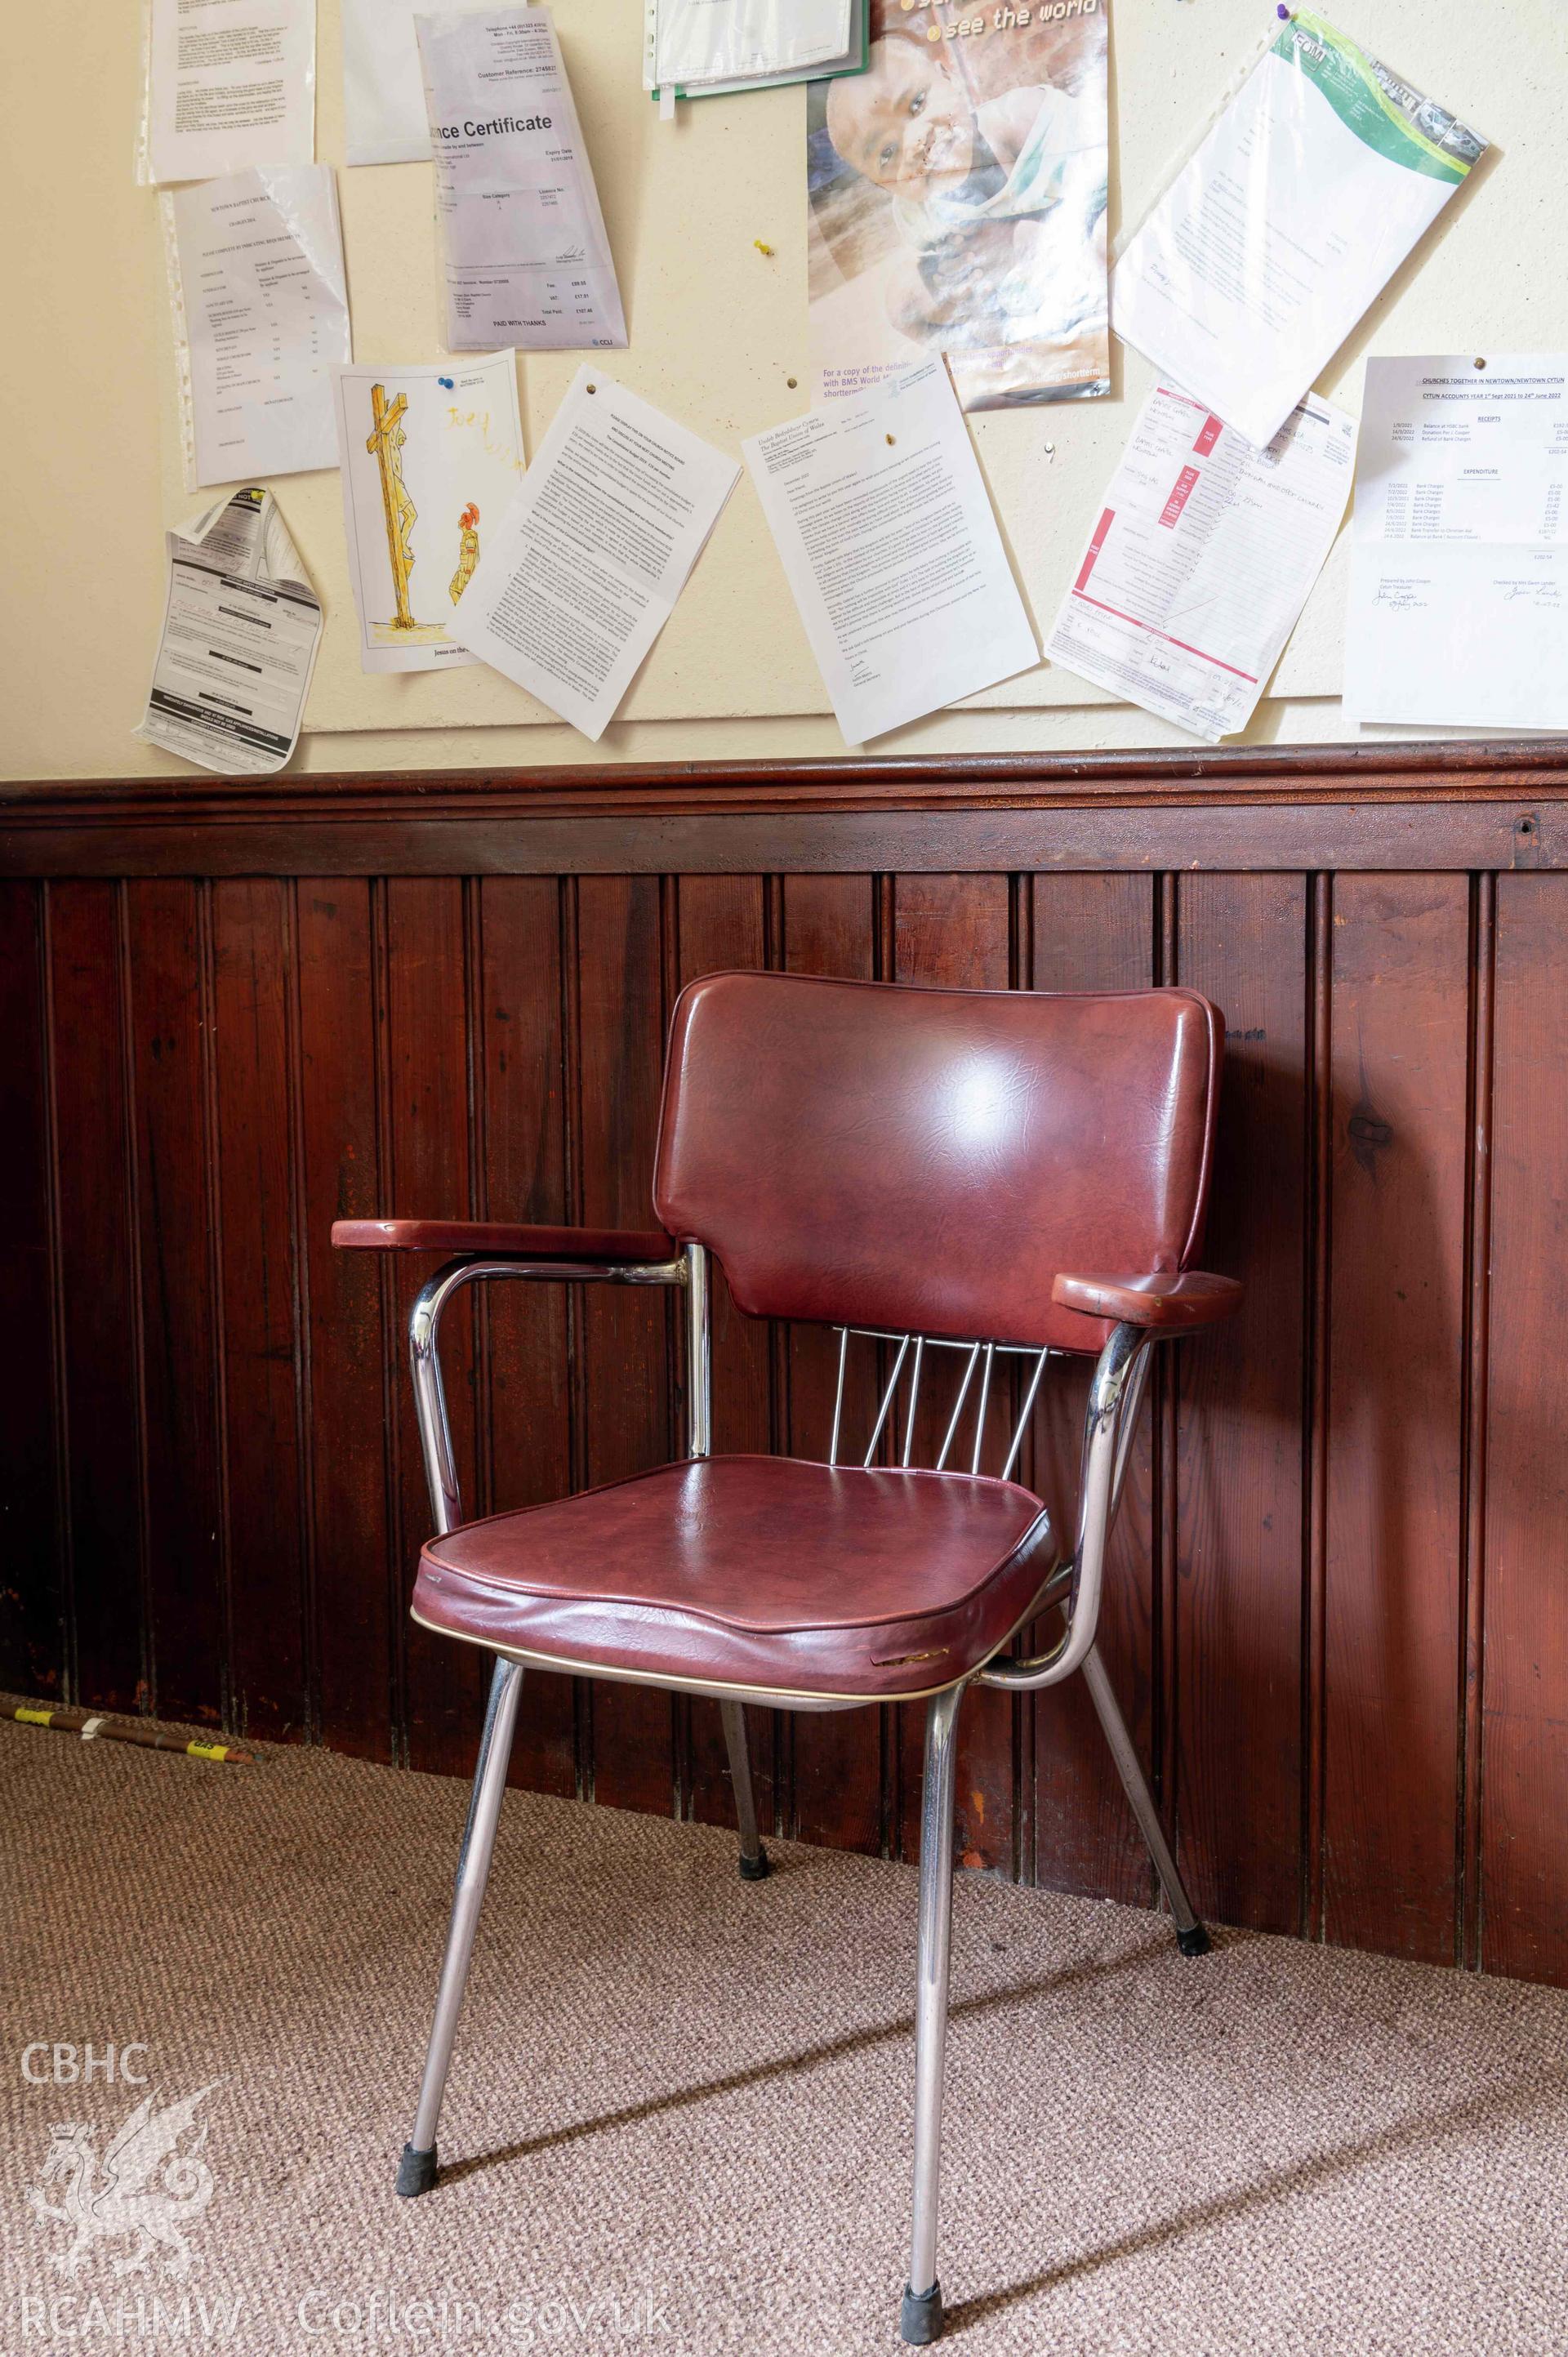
1201, 558
1459, 606
525, 254
241, 630
384, 116
700, 48
230, 84
881, 517
262, 315
1288, 221
587, 563
430, 458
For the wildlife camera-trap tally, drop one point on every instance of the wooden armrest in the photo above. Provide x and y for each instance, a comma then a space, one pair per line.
497, 1239
1168, 1305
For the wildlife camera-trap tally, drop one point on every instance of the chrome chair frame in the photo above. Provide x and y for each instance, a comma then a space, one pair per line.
1073, 1586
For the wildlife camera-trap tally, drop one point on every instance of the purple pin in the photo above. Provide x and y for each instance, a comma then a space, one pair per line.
1283, 12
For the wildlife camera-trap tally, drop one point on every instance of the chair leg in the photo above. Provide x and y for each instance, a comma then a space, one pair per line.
1191, 1937
416, 2171
920, 2317
754, 1863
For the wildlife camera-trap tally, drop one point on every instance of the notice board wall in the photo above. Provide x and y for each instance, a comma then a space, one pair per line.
718, 330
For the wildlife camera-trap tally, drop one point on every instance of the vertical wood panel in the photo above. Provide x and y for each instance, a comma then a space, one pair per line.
427, 1064
1094, 932
722, 927
358, 1583
1478, 1344
839, 1757
524, 1169
34, 1604
1523, 1770
1319, 1197
169, 1011
620, 1056
957, 931
1392, 1637
257, 1293
1240, 1572
98, 1296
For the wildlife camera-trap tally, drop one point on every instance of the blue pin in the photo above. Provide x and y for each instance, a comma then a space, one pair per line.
449, 382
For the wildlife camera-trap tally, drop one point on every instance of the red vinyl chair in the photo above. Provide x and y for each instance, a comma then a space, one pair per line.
1006, 1175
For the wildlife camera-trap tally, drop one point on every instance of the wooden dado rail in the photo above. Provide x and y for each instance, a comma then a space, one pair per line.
1338, 1615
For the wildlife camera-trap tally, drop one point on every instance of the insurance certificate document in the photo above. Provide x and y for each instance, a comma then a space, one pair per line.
263, 310
1287, 222
230, 83
1458, 605
525, 255
1201, 559
881, 517
589, 559
241, 630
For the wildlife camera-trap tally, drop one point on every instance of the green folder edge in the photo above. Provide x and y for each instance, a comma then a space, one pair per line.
785, 81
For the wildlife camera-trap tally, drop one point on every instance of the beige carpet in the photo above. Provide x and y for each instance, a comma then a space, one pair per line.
679, 2110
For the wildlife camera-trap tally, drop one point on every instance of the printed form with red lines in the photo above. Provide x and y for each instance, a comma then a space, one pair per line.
1202, 559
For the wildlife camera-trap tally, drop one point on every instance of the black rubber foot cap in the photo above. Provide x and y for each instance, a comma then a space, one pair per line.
920, 2317
756, 1869
1195, 1943
415, 2171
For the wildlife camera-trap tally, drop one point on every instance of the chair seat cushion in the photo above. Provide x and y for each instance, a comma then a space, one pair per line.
753, 1571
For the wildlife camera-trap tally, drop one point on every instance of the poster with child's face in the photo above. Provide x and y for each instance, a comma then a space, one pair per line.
956, 203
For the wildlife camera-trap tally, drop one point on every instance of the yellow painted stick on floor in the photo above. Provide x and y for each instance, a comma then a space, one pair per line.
92, 1729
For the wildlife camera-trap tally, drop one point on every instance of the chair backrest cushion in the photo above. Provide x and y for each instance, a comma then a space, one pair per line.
872, 1153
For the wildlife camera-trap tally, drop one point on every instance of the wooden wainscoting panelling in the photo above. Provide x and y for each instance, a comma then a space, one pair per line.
106, 1622
1522, 1771
1394, 1639
1236, 1647
1337, 1611
169, 1016
256, 1156
34, 1633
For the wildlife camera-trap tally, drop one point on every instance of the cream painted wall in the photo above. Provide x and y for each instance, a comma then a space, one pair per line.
717, 328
